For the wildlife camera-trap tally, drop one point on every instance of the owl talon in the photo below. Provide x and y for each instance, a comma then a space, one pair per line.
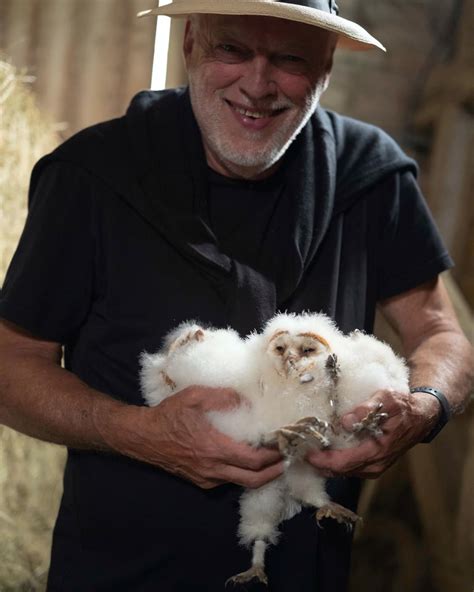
314, 422
255, 572
315, 429
290, 441
296, 438
371, 422
339, 513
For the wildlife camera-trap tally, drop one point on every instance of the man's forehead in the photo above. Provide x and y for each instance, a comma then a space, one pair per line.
261, 28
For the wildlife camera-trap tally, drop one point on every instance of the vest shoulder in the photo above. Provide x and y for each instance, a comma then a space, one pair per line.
113, 137
350, 133
91, 141
364, 153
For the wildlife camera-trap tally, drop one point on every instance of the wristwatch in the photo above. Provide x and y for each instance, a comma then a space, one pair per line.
445, 415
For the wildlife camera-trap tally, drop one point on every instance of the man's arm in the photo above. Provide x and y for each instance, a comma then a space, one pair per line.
439, 355
41, 399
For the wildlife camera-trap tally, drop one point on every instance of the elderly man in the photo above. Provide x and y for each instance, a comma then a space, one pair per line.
223, 203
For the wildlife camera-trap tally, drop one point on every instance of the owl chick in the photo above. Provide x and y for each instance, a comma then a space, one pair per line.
310, 374
329, 372
300, 375
193, 355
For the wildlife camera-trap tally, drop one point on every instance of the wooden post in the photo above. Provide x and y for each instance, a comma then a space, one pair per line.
168, 64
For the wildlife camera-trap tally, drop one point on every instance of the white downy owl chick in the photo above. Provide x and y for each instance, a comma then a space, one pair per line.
328, 372
364, 366
193, 355
310, 375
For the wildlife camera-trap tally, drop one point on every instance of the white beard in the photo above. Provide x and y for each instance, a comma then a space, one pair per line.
213, 130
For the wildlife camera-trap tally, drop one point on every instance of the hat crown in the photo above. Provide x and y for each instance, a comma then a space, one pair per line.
324, 5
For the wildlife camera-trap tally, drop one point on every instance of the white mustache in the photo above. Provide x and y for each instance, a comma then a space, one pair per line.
275, 105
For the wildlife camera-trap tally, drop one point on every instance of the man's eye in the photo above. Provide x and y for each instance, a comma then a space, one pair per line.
230, 54
291, 63
226, 47
291, 58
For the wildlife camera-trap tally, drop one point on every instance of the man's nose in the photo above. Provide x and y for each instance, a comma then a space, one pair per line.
258, 81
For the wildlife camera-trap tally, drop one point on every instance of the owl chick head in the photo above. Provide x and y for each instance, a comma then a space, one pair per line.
299, 346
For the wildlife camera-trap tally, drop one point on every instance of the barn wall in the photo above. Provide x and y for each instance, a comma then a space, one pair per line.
88, 57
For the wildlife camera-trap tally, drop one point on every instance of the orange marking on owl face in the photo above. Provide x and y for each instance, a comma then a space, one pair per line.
279, 349
198, 335
169, 381
276, 335
317, 337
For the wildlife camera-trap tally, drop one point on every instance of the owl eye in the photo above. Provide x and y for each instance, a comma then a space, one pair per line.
308, 350
280, 349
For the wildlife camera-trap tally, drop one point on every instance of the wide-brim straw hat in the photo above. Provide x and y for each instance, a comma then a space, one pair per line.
319, 13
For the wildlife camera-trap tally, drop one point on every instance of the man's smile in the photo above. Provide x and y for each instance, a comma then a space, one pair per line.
254, 113
255, 119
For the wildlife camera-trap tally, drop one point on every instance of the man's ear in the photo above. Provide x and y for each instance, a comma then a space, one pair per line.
188, 41
330, 60
328, 69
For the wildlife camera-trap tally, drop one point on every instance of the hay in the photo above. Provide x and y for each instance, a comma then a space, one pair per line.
25, 136
30, 471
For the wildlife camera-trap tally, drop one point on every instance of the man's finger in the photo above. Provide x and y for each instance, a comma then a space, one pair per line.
342, 461
393, 403
249, 478
213, 399
243, 455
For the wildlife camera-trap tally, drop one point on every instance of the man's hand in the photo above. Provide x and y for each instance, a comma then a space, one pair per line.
177, 436
410, 418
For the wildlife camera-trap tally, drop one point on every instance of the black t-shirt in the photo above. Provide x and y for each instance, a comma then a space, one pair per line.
241, 212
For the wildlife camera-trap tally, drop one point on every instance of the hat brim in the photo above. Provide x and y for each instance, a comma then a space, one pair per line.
351, 35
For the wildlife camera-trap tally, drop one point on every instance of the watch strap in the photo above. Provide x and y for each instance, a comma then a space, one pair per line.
446, 412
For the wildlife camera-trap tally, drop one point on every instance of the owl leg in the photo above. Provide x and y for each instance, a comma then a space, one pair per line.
261, 510
337, 512
371, 422
314, 423
314, 430
257, 570
307, 486
298, 437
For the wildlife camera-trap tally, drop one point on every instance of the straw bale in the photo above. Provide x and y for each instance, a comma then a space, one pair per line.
30, 471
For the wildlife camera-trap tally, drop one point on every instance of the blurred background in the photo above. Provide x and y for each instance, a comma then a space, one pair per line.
66, 64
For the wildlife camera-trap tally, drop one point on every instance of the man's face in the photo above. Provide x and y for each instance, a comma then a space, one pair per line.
254, 82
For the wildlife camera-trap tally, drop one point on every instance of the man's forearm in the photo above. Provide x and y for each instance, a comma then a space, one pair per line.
437, 351
41, 399
444, 361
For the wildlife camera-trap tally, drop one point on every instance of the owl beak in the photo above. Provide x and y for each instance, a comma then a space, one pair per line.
306, 378
290, 364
